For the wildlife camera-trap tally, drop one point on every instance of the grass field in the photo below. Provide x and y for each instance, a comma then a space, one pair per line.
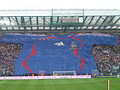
61, 84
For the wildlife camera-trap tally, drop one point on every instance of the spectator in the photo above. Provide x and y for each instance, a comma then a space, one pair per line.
8, 54
107, 59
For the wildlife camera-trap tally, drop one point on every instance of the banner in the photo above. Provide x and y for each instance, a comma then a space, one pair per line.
44, 77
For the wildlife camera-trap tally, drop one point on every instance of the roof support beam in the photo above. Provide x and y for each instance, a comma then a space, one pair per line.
0, 28
97, 21
43, 23
83, 23
109, 21
65, 28
10, 23
23, 22
115, 22
51, 20
57, 22
37, 22
30, 22
17, 22
117, 27
102, 22
4, 24
90, 22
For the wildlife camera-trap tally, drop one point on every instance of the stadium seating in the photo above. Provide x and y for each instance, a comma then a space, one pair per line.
37, 53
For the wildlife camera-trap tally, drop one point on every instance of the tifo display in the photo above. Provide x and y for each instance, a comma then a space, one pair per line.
45, 54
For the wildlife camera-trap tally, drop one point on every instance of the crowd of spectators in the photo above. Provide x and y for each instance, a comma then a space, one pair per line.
107, 59
8, 54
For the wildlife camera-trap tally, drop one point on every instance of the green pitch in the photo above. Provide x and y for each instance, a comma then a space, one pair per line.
61, 84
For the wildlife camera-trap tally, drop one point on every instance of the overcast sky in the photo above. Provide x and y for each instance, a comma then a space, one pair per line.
53, 4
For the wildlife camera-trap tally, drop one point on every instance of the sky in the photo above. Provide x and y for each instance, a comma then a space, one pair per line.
59, 4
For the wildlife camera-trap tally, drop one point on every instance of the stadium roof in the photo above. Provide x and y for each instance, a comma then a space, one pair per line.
59, 20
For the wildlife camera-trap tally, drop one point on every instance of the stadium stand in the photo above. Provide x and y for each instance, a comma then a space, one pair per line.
106, 56
107, 59
8, 54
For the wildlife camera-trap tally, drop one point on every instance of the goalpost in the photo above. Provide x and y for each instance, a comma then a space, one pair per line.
64, 73
108, 84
